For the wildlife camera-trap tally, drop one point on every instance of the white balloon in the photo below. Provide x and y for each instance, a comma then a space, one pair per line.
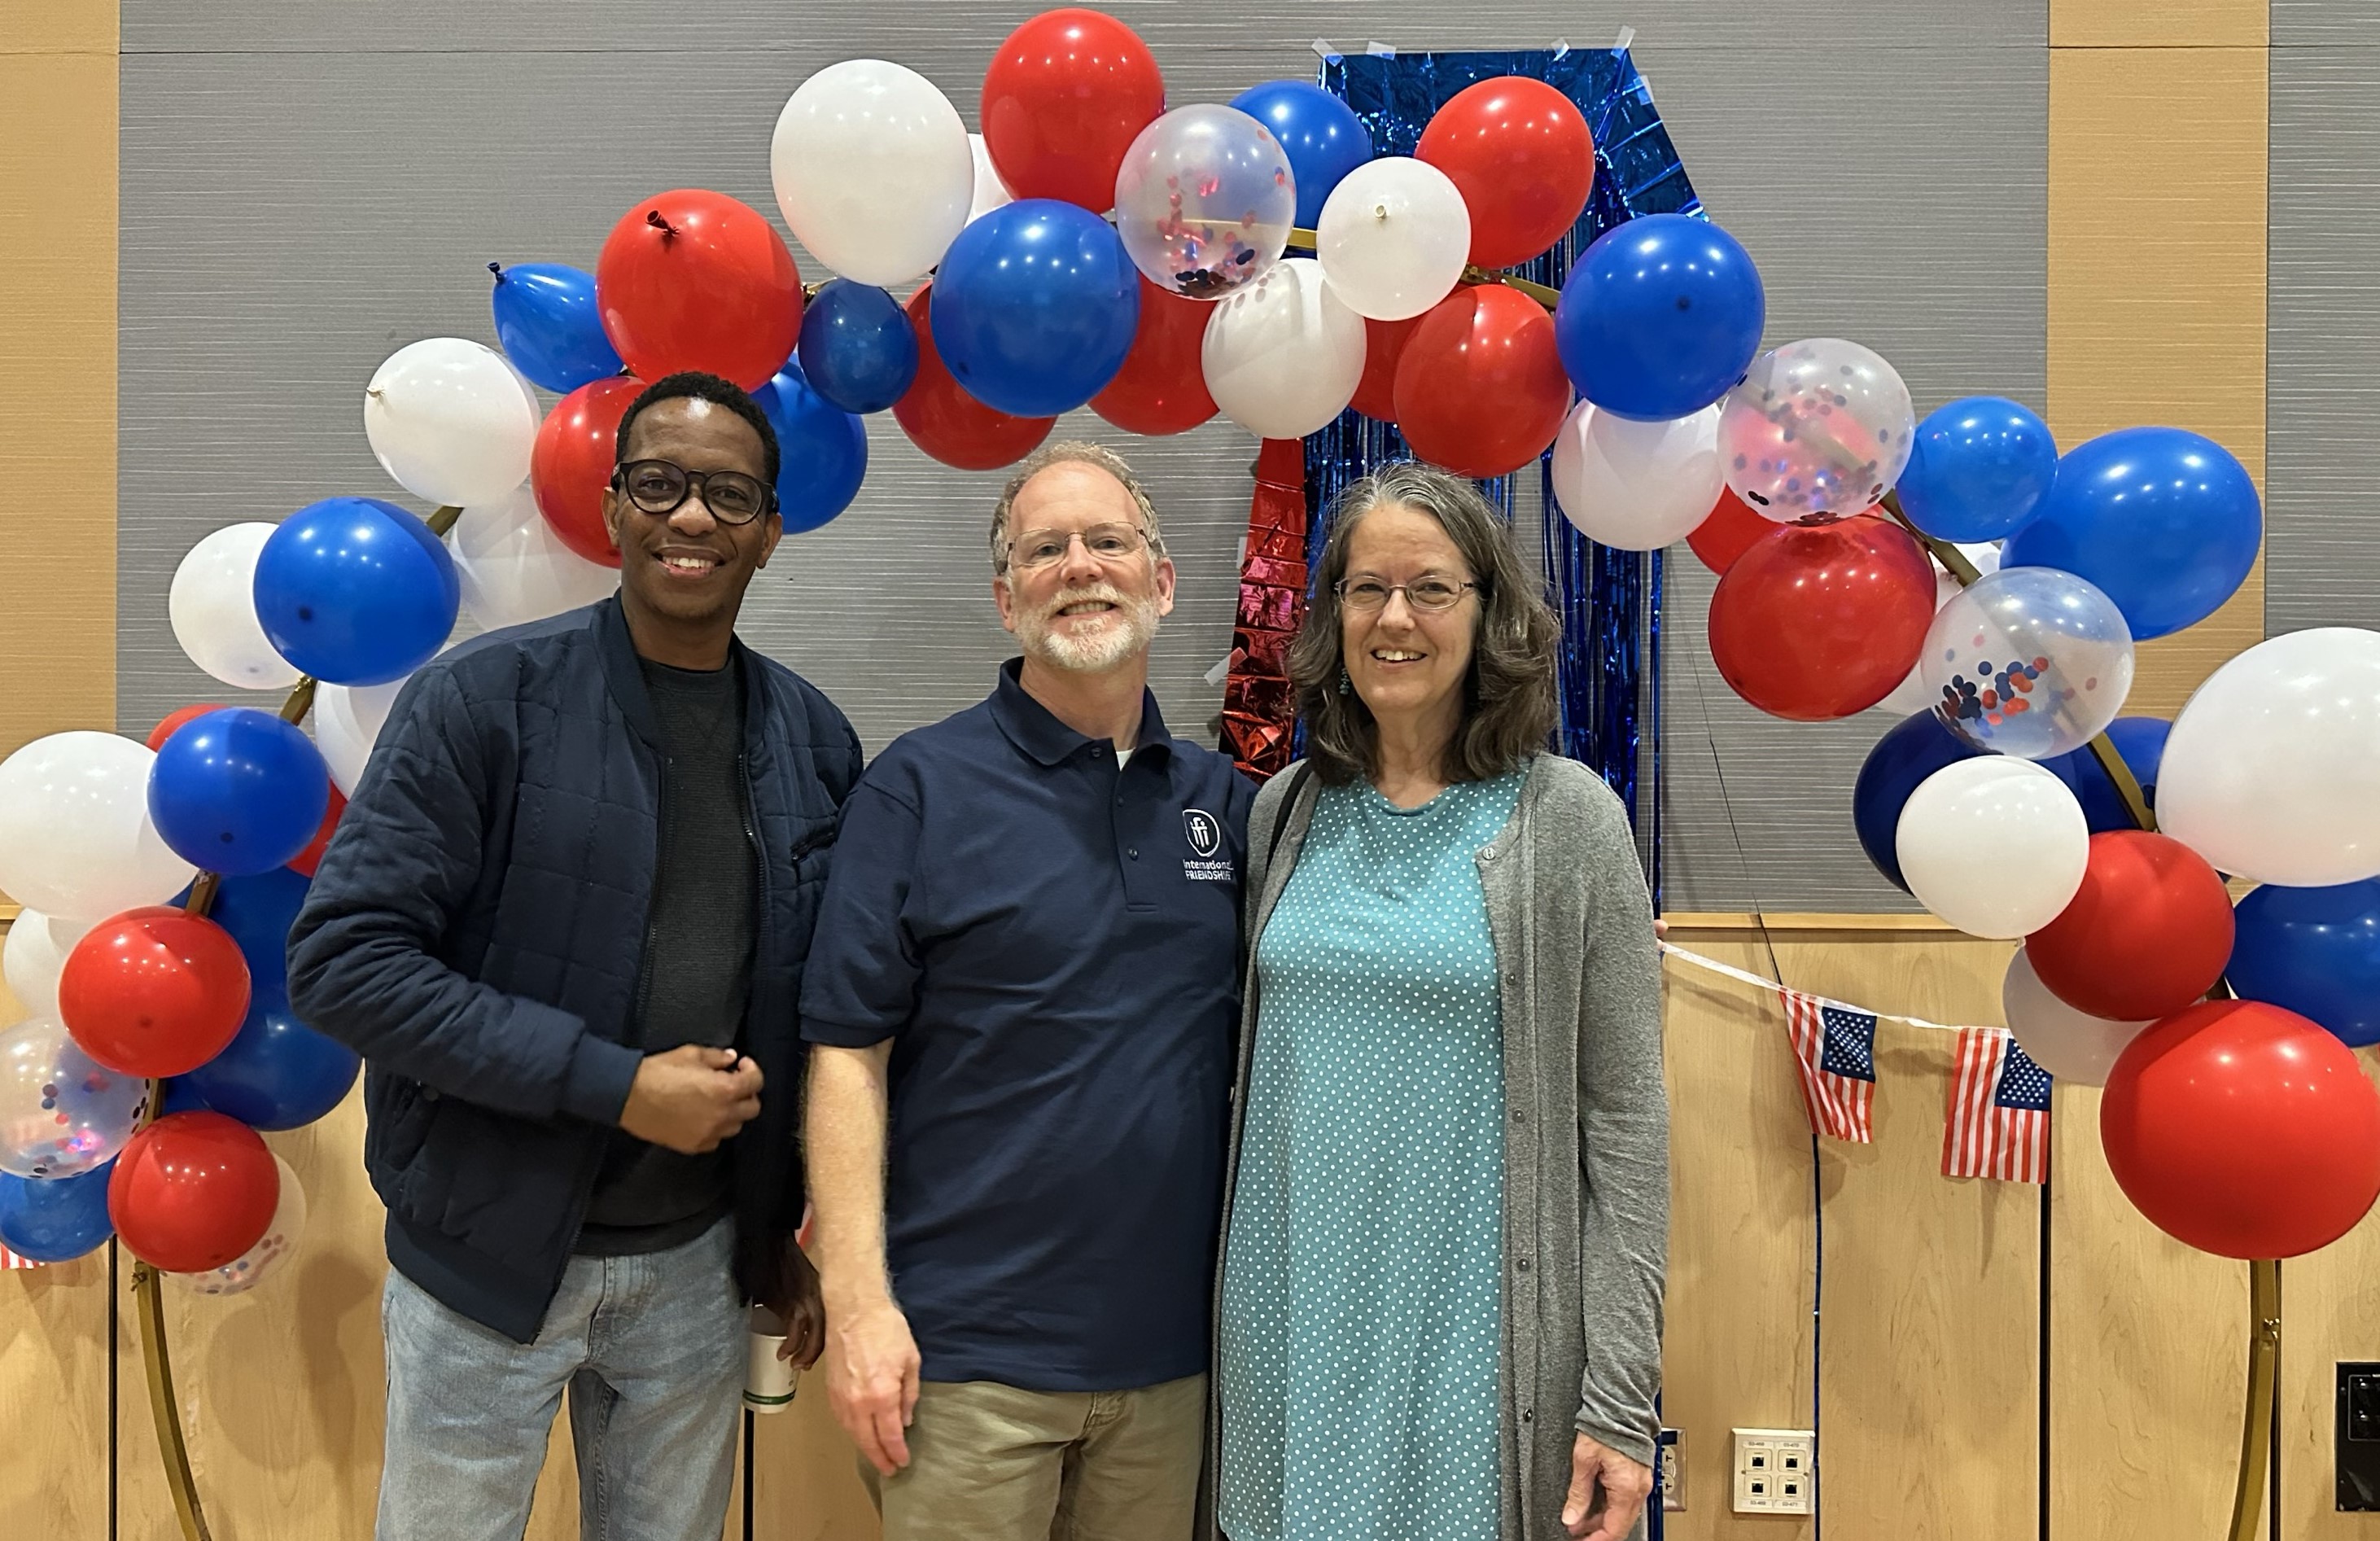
514, 568
2273, 768
1995, 846
273, 1249
872, 170
32, 955
990, 192
1283, 357
1393, 238
1637, 486
2076, 1048
75, 836
452, 420
213, 607
348, 720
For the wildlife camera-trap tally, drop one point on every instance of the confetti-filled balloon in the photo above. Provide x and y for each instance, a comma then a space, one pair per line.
2028, 661
1205, 200
60, 1111
1817, 427
273, 1250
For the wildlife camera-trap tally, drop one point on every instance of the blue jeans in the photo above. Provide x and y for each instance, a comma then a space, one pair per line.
652, 1349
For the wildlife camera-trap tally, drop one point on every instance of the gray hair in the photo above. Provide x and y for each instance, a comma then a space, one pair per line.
1509, 711
1072, 452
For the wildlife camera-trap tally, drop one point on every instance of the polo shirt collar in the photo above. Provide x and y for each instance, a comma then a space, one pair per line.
1035, 730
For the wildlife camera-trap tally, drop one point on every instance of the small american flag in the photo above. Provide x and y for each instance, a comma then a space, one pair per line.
12, 1261
1834, 1048
1999, 1110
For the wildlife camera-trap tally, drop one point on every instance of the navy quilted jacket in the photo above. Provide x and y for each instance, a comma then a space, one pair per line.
476, 929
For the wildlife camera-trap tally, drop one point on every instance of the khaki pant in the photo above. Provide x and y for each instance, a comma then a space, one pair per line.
990, 1462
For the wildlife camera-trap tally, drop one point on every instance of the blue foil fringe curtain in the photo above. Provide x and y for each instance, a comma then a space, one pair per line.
1609, 601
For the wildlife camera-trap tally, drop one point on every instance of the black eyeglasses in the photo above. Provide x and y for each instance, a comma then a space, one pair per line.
658, 487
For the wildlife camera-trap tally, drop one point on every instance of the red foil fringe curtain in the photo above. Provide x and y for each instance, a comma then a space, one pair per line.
1259, 708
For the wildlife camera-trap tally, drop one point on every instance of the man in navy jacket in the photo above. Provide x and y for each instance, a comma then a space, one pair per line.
565, 921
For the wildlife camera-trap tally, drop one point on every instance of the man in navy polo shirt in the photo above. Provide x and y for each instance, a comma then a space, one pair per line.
1021, 997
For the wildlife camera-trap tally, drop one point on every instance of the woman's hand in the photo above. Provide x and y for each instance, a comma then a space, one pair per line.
1606, 1493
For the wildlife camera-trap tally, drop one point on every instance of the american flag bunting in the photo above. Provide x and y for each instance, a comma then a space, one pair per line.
1834, 1050
13, 1260
1999, 1124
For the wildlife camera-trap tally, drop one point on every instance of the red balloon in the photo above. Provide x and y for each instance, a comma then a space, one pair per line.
192, 1191
2148, 933
2242, 1130
1729, 531
1816, 622
576, 448
1384, 348
1519, 152
311, 857
1063, 99
153, 992
175, 719
1161, 388
942, 420
1480, 389
694, 279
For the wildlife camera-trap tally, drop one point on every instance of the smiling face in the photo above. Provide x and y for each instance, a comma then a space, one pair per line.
1080, 612
1407, 663
685, 566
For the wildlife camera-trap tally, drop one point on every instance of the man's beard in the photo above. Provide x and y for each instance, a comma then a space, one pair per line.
1125, 633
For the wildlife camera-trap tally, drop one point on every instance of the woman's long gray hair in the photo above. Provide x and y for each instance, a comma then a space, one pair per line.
1508, 695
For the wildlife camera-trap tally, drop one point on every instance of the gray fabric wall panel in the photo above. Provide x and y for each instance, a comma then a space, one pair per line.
2322, 462
306, 188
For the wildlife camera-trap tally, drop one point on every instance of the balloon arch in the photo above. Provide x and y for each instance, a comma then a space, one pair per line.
1259, 259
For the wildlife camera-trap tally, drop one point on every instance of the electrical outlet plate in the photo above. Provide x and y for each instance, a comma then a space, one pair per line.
1672, 1474
1776, 1471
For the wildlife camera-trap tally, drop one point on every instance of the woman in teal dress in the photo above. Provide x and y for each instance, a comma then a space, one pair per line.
1446, 1216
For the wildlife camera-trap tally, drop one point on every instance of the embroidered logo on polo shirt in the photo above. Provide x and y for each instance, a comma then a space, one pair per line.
1206, 837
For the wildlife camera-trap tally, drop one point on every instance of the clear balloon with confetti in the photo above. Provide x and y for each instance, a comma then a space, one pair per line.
2031, 662
60, 1111
1817, 427
268, 1256
1205, 200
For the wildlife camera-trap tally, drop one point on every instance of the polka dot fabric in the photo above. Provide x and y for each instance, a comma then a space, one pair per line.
1362, 1288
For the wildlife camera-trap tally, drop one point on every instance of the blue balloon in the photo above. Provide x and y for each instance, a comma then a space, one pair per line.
2164, 520
822, 450
2315, 950
180, 1096
2140, 743
278, 1073
55, 1220
259, 911
237, 791
356, 591
857, 347
1978, 469
1913, 749
551, 329
1660, 317
1323, 136
1035, 307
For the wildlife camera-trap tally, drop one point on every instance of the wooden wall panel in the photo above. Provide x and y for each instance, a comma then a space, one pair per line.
2330, 1311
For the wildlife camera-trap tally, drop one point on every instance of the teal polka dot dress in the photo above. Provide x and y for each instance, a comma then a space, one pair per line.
1363, 1289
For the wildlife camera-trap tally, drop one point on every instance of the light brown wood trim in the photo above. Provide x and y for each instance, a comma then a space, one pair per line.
1801, 921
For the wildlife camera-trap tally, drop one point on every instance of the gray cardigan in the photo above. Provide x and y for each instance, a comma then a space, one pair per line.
1586, 1152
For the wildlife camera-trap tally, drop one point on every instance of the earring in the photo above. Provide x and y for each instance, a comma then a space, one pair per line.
1346, 685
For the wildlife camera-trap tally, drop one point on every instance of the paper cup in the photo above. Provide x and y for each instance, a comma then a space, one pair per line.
767, 1380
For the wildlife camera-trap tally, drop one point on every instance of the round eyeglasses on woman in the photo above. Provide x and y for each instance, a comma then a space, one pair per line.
1428, 593
658, 487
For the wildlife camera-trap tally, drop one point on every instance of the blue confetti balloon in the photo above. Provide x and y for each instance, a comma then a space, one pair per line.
1978, 469
1660, 317
822, 450
1909, 751
237, 791
1035, 307
356, 591
278, 1073
1323, 136
550, 327
55, 1220
857, 348
2164, 521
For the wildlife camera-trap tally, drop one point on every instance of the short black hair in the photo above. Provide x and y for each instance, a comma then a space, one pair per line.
702, 387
